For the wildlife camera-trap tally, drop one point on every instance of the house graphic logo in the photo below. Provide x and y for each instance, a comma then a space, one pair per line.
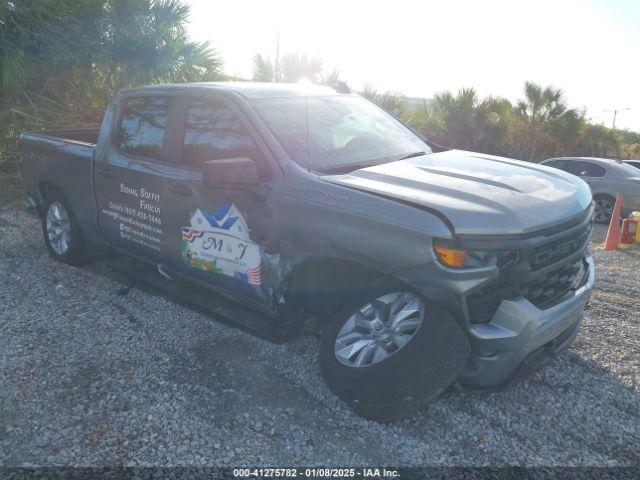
219, 242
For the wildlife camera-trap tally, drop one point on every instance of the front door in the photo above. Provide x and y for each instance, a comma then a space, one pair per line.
220, 236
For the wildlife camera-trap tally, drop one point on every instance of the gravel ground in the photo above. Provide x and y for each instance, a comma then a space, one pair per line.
92, 377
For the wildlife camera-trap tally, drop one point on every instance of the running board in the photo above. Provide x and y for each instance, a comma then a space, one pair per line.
142, 274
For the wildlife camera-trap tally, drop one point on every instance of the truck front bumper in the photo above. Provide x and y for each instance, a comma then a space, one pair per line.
520, 336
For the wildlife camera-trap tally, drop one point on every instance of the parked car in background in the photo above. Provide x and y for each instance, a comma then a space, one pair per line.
633, 163
606, 179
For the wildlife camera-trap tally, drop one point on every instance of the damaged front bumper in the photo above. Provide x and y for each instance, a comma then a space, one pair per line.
521, 336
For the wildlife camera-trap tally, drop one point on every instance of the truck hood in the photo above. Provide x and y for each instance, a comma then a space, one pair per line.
479, 194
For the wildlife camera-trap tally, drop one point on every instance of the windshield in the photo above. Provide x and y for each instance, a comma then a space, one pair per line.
331, 133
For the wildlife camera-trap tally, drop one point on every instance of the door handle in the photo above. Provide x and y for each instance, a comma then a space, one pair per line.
105, 172
181, 190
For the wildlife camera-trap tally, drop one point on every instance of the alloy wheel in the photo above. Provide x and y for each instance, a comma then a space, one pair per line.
604, 210
379, 329
58, 228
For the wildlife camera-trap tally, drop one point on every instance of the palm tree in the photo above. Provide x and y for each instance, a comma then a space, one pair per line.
541, 110
61, 60
294, 68
455, 115
146, 41
41, 35
120, 42
494, 123
263, 70
393, 102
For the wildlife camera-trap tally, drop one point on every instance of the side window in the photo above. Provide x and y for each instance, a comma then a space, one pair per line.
593, 170
142, 126
214, 132
576, 167
560, 164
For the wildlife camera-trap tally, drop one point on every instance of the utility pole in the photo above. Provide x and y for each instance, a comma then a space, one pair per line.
276, 64
613, 126
615, 114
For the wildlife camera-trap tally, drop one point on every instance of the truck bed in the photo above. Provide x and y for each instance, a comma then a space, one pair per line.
61, 159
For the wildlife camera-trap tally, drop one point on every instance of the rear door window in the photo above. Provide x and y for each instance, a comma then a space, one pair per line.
575, 167
592, 170
143, 125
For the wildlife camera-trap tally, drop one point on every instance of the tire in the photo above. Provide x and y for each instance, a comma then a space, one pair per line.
405, 381
59, 217
604, 208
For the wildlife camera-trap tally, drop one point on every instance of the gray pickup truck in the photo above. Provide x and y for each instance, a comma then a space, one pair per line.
421, 267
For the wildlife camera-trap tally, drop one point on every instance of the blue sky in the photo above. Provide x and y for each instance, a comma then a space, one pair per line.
588, 48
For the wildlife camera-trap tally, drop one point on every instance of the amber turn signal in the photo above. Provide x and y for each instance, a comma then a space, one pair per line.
449, 257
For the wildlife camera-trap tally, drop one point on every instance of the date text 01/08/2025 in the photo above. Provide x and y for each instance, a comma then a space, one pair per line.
315, 473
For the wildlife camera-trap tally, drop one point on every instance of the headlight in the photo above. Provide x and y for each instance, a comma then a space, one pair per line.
457, 258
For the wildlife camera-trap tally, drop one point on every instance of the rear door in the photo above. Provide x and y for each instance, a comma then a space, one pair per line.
222, 236
129, 176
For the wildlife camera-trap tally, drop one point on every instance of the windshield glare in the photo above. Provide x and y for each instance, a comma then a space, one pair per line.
323, 133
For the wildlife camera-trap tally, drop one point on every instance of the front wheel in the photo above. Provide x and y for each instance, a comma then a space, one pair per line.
62, 236
390, 352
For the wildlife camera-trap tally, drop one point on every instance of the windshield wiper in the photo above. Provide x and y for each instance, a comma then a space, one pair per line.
348, 167
412, 154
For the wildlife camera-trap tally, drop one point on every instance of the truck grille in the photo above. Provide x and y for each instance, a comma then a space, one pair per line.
544, 292
550, 289
560, 249
523, 276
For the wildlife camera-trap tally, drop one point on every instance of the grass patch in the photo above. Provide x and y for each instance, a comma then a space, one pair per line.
632, 250
10, 185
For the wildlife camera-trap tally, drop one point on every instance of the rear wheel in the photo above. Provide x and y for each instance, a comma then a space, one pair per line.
604, 208
390, 352
62, 236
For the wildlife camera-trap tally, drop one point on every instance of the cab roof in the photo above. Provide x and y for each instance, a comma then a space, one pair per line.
249, 90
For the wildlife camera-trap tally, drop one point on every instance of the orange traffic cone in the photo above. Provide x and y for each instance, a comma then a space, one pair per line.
613, 235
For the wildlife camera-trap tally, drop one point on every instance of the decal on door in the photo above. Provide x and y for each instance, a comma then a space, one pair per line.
219, 242
135, 214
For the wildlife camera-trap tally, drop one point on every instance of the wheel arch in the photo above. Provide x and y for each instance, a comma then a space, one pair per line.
44, 189
604, 195
322, 284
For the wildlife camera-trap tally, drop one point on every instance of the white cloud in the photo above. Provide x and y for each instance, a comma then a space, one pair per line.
421, 48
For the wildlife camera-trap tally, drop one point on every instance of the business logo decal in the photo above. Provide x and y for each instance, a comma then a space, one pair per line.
219, 242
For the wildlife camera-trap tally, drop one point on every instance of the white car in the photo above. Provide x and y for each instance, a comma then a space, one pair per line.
606, 179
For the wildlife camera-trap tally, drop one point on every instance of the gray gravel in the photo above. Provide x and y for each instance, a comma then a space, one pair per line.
91, 377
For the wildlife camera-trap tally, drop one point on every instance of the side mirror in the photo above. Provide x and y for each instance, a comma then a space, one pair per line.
230, 171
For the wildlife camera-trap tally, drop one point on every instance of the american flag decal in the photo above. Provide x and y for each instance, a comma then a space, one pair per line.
253, 276
191, 234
